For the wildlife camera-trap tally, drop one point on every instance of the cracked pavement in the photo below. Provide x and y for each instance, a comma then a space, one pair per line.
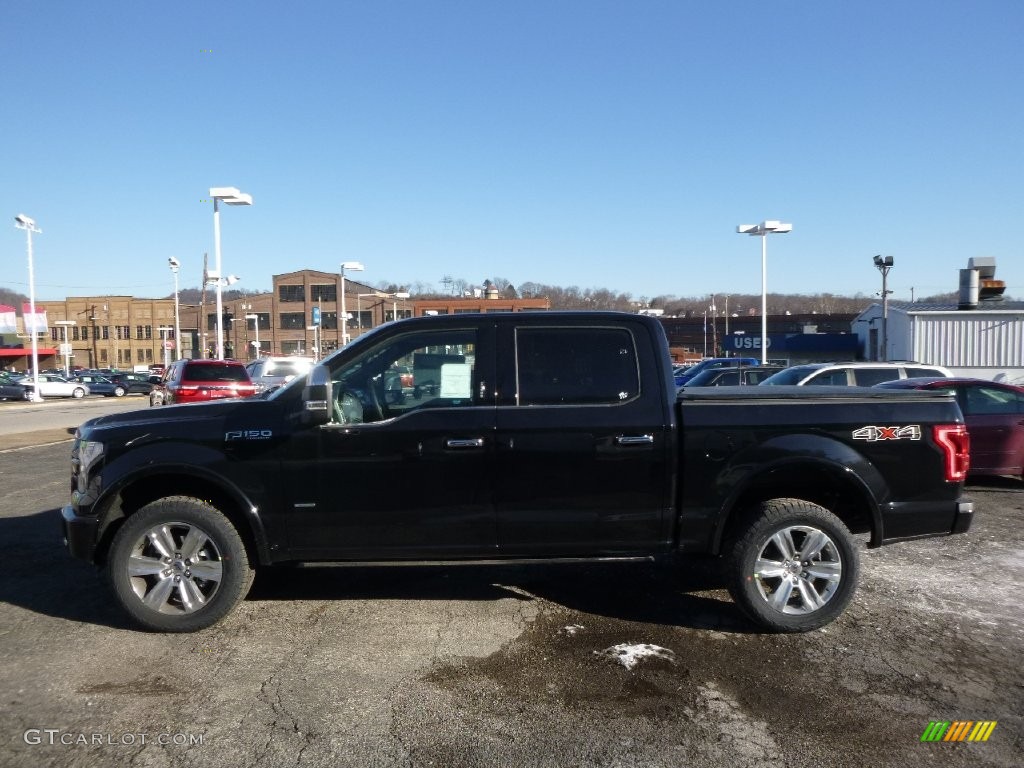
414, 666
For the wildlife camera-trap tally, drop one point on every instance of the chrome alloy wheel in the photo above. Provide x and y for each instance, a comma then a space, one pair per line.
798, 570
175, 568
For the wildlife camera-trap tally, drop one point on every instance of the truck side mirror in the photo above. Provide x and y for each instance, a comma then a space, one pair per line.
317, 397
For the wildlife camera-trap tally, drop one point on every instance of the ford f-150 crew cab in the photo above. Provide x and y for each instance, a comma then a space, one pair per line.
513, 437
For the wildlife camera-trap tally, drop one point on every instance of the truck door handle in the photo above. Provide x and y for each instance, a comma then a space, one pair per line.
634, 440
474, 442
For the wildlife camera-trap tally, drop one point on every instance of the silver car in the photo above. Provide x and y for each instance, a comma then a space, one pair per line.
52, 385
272, 372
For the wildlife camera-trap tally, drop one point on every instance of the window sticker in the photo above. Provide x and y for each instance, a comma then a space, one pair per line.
456, 380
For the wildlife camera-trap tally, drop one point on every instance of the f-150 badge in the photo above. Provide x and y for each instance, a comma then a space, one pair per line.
874, 434
248, 434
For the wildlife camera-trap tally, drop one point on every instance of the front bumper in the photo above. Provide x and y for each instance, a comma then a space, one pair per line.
79, 533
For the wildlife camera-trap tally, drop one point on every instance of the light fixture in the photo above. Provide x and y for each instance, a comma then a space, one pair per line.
352, 266
229, 196
762, 230
884, 264
174, 264
21, 221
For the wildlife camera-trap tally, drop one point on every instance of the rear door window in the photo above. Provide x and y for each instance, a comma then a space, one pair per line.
833, 378
575, 366
868, 377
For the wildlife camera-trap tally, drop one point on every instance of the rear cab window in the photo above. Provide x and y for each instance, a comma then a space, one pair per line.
601, 369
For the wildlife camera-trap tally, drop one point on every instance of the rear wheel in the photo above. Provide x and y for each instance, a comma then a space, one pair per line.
178, 565
118, 391
794, 568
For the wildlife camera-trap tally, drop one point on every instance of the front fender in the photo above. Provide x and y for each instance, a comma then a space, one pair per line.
157, 470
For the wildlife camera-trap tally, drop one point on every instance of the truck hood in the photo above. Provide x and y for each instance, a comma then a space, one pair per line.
194, 418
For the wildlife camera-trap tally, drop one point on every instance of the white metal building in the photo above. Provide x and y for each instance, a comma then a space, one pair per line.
986, 341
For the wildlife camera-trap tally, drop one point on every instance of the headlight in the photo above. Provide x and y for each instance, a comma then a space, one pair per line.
89, 453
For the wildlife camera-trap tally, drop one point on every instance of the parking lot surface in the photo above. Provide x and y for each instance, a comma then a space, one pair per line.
510, 665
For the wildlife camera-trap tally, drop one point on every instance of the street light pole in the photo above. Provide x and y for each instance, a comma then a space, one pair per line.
353, 266
173, 263
230, 196
762, 230
21, 221
164, 330
256, 319
884, 264
65, 347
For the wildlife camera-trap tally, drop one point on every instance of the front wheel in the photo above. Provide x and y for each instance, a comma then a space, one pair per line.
78, 393
118, 391
178, 565
794, 568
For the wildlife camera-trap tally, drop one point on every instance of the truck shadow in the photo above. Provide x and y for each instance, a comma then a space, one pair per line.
690, 595
40, 576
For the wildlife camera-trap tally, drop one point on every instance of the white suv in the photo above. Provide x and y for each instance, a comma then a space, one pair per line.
852, 374
271, 372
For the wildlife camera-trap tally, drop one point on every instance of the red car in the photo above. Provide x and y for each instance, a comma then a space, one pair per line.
197, 381
994, 414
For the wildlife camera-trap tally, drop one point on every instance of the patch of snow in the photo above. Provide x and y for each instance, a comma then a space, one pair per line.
630, 654
572, 629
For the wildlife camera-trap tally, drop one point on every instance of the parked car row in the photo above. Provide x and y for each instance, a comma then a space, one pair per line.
993, 411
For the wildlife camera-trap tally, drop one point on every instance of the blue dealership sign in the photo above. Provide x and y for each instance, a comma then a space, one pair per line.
316, 315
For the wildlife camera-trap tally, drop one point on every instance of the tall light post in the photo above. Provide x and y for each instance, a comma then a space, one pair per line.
352, 266
316, 340
884, 264
256, 319
219, 283
359, 306
394, 304
65, 348
725, 339
164, 330
173, 263
21, 221
229, 196
762, 230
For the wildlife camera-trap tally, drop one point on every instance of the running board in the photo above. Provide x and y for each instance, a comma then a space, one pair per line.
498, 561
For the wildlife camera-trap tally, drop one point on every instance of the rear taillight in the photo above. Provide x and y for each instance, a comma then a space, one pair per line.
956, 447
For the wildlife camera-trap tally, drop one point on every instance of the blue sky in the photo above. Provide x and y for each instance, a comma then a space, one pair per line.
591, 143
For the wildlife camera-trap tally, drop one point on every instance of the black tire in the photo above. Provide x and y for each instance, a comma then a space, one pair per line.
789, 592
161, 585
118, 391
78, 393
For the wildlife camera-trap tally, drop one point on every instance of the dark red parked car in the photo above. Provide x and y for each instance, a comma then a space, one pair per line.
196, 381
994, 413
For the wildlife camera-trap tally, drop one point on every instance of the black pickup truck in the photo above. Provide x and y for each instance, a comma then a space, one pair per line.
513, 437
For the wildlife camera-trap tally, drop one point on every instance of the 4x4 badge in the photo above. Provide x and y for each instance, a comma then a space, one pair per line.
873, 434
